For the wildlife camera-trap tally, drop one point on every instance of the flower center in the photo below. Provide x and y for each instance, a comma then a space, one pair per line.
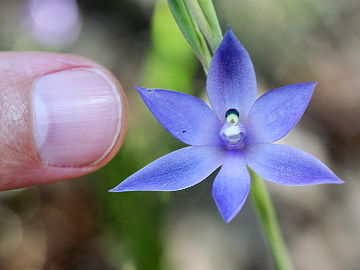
232, 132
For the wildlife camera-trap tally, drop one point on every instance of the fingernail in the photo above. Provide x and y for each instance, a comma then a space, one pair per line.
76, 117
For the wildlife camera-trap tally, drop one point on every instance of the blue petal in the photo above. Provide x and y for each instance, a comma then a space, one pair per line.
231, 186
185, 117
231, 82
275, 113
177, 170
288, 166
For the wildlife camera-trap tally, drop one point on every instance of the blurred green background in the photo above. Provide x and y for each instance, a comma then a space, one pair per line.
78, 225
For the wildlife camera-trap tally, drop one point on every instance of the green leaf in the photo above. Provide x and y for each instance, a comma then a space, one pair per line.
191, 31
209, 12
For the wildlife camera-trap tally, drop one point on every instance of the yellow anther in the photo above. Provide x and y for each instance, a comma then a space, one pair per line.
232, 119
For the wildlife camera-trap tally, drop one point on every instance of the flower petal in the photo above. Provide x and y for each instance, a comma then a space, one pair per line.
231, 186
185, 117
174, 171
288, 166
275, 113
231, 82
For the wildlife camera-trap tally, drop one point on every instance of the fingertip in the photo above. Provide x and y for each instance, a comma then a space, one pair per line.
77, 117
73, 116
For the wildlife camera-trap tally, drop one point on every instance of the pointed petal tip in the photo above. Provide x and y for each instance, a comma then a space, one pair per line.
229, 216
312, 83
332, 179
229, 31
142, 90
337, 181
230, 35
228, 219
115, 189
122, 187
226, 216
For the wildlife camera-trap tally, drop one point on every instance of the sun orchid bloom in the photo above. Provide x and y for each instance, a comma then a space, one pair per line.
237, 132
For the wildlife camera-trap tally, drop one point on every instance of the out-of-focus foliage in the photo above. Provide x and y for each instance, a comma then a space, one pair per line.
170, 62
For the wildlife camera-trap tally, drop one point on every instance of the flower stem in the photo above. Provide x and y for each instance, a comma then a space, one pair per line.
189, 26
266, 215
205, 16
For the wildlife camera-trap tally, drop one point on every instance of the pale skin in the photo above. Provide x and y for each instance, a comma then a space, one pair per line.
20, 164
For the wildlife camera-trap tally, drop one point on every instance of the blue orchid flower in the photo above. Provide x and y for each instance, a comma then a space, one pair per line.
237, 133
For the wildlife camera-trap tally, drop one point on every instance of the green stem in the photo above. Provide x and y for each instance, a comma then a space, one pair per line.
208, 9
266, 215
205, 16
191, 31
